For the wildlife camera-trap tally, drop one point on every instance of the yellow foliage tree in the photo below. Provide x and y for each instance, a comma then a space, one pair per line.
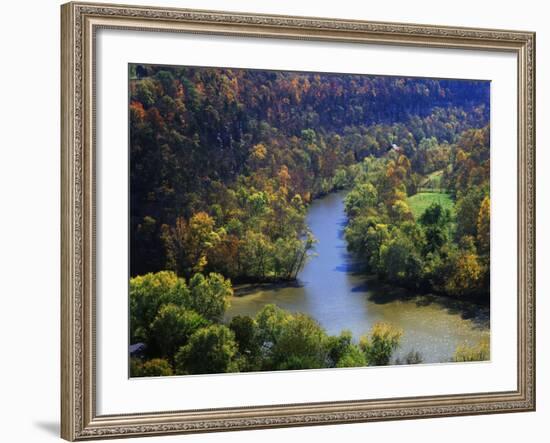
188, 243
379, 344
259, 152
467, 275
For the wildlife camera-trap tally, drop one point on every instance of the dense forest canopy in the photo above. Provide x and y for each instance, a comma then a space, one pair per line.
223, 166
223, 162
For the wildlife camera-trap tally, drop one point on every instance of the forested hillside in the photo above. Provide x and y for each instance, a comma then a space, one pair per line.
224, 161
224, 164
445, 246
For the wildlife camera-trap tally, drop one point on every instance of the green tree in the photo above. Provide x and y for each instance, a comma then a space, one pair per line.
145, 92
166, 79
290, 255
365, 236
257, 255
380, 343
171, 329
342, 353
271, 322
435, 215
156, 367
209, 296
435, 220
467, 211
147, 294
361, 198
210, 350
400, 260
247, 338
352, 358
484, 226
300, 345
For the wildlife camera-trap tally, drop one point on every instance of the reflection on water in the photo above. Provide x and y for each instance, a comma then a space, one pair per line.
332, 290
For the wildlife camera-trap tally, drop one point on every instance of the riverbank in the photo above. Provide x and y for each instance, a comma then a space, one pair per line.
332, 291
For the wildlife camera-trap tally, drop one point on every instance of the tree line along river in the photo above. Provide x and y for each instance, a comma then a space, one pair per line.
331, 289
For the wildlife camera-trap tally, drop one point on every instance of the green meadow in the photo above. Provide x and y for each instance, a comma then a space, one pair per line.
420, 202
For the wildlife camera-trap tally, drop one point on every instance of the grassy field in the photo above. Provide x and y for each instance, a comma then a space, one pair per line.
419, 202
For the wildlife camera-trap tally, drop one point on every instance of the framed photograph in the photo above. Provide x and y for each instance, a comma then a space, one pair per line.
283, 221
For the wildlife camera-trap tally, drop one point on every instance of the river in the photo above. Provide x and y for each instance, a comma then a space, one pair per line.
331, 290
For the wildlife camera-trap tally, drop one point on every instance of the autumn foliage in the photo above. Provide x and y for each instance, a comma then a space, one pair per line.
223, 165
223, 162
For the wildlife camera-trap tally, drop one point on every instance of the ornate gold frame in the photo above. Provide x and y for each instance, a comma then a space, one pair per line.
79, 22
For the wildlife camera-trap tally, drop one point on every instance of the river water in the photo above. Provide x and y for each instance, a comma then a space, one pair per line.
331, 290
